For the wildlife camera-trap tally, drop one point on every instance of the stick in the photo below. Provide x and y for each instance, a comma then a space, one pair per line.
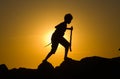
71, 39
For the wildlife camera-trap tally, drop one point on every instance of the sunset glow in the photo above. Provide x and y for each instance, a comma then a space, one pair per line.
26, 28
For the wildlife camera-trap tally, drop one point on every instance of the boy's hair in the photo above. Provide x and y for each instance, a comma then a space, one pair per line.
68, 17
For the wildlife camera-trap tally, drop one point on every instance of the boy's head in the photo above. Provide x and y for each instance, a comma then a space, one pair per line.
68, 17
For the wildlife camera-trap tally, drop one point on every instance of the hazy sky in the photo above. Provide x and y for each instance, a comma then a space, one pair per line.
26, 27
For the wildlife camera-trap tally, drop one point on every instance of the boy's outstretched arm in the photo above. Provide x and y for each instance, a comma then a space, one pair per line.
70, 28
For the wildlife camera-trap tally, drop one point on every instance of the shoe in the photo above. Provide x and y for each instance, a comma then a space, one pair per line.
67, 59
44, 61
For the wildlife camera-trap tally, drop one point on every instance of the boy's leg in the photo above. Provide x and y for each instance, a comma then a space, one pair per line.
53, 50
66, 44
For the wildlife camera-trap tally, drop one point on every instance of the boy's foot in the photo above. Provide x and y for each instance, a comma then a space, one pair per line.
66, 58
44, 61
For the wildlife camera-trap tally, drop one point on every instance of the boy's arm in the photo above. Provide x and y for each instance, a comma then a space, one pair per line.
70, 28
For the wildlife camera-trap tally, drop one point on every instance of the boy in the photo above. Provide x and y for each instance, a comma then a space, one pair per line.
57, 36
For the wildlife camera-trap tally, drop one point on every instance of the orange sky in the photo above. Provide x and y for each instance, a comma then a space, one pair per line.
26, 27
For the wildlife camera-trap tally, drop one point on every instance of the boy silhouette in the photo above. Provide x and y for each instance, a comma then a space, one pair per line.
57, 36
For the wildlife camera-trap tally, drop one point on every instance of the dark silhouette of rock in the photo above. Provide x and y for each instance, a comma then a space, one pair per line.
3, 68
23, 73
89, 67
3, 71
46, 70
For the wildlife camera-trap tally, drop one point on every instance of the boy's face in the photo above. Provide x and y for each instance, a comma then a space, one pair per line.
68, 21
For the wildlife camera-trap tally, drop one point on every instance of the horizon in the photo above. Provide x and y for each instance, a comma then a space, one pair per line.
26, 27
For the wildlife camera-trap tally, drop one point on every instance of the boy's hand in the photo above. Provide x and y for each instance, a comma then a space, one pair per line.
71, 28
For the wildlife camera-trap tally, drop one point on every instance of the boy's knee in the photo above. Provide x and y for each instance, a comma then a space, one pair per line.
52, 51
67, 46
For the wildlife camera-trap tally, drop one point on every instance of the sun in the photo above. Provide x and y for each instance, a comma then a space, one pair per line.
47, 37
